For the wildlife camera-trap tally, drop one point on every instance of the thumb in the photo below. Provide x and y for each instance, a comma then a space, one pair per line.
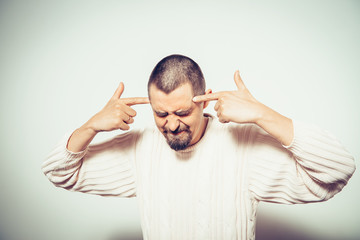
238, 81
118, 91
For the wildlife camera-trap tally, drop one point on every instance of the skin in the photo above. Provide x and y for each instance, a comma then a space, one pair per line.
237, 106
176, 111
240, 106
117, 114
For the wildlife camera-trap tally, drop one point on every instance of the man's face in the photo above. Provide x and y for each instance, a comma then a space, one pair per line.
178, 118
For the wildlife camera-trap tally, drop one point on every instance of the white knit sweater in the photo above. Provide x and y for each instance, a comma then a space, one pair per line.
210, 190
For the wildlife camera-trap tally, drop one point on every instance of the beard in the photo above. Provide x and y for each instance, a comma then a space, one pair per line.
178, 139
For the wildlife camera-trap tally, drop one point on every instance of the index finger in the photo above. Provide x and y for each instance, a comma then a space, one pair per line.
207, 97
135, 100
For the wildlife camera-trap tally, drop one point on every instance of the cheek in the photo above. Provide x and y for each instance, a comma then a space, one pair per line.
160, 122
193, 122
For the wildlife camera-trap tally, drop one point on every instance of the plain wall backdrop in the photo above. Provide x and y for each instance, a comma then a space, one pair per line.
60, 62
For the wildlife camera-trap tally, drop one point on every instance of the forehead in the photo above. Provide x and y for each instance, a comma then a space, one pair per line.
179, 99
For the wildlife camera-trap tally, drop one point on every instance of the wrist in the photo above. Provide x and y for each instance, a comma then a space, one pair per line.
80, 139
89, 128
277, 125
263, 113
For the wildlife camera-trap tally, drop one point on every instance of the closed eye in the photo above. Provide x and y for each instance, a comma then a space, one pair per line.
161, 114
183, 113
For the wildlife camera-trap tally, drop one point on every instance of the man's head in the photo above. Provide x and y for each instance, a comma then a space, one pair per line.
175, 70
173, 83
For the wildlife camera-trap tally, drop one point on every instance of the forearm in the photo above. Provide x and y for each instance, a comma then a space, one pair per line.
317, 168
116, 114
105, 169
277, 125
81, 138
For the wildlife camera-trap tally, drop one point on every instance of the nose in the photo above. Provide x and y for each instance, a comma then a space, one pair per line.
172, 123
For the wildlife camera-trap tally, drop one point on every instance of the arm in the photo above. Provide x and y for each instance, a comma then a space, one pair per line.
314, 167
106, 168
285, 165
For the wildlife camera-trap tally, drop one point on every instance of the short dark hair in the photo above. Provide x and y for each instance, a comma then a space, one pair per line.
175, 70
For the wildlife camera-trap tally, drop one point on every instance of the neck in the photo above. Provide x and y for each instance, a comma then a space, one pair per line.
203, 125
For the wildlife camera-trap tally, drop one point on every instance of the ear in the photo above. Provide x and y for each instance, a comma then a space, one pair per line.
206, 103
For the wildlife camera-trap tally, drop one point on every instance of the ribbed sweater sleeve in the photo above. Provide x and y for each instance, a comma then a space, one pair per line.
314, 167
105, 168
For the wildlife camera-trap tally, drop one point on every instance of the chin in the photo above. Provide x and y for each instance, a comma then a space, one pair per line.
178, 147
178, 144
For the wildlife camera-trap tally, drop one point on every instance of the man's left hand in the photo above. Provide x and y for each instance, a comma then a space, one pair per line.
241, 107
237, 106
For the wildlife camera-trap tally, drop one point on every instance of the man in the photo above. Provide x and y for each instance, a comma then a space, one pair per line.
196, 177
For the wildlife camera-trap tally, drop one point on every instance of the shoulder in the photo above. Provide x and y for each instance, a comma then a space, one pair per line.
233, 130
123, 139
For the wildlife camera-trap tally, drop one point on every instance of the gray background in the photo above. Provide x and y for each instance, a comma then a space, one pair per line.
60, 61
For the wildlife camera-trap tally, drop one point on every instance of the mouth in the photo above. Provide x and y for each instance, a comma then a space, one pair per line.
177, 133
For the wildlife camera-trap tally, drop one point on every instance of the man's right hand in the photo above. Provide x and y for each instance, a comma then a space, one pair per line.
117, 114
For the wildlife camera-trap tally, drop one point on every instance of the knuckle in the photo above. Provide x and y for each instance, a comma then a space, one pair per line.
132, 113
118, 122
123, 126
123, 116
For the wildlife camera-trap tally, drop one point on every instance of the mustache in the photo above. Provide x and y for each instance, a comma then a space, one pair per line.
177, 130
